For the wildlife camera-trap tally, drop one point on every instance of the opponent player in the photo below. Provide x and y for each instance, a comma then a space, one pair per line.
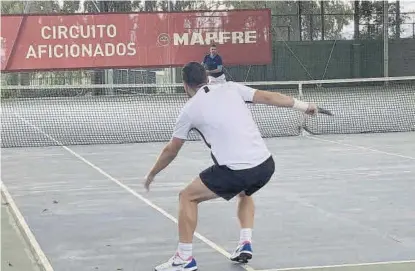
214, 66
242, 162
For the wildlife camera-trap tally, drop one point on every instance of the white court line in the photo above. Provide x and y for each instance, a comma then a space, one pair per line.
145, 200
363, 148
35, 248
338, 266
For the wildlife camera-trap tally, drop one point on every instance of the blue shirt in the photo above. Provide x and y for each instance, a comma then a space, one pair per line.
213, 64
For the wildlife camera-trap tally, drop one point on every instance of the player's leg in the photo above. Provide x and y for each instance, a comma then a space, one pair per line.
256, 178
189, 198
246, 214
246, 211
222, 79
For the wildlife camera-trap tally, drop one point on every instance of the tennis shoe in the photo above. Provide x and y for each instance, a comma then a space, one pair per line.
242, 253
176, 263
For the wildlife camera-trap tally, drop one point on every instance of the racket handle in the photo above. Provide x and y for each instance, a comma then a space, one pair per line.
324, 111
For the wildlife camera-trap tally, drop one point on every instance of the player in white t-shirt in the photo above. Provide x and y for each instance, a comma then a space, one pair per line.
242, 162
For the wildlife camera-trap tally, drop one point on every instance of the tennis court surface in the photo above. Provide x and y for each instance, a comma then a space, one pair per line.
334, 200
73, 164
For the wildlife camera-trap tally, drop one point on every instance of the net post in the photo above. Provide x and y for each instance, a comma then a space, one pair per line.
301, 96
300, 90
385, 40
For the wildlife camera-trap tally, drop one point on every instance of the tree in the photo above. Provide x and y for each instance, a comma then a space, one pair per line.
95, 6
303, 20
12, 7
70, 7
371, 19
147, 5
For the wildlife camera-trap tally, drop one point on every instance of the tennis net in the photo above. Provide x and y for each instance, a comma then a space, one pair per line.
108, 114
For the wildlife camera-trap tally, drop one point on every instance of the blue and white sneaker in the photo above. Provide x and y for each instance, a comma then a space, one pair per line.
242, 253
176, 263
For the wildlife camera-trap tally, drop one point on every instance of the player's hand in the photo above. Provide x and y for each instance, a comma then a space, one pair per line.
312, 109
148, 180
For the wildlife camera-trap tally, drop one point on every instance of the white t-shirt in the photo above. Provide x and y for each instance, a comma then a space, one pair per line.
226, 123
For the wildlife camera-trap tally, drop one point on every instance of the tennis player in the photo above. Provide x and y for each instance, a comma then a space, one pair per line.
242, 162
214, 66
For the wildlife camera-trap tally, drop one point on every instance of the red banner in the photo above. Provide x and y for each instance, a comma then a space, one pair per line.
49, 42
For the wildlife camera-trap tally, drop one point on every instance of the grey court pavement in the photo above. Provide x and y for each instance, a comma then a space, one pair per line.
15, 252
334, 200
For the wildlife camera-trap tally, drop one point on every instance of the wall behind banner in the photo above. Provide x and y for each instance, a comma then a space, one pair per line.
318, 60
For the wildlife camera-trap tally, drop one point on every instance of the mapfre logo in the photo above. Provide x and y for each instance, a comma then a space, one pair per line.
163, 40
207, 38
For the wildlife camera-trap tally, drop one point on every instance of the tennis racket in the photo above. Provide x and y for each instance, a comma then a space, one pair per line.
324, 111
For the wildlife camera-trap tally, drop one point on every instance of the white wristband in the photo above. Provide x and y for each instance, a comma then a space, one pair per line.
300, 105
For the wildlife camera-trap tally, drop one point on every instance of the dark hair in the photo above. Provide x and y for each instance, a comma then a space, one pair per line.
194, 74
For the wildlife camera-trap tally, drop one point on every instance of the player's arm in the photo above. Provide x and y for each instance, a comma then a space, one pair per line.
204, 63
171, 149
219, 67
274, 98
281, 100
167, 155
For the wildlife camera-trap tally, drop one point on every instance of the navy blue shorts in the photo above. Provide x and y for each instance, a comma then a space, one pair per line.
227, 183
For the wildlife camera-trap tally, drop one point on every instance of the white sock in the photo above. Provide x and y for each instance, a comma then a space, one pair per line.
246, 235
185, 250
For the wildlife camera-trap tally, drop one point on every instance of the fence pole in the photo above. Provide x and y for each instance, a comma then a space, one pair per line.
385, 39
